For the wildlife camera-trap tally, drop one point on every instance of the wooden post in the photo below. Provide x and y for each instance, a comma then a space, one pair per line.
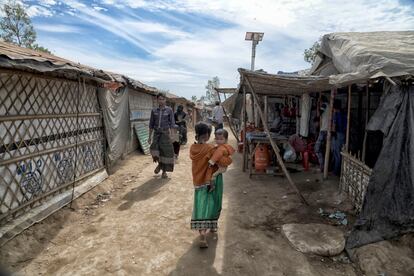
244, 117
274, 146
364, 146
266, 110
329, 136
348, 118
229, 120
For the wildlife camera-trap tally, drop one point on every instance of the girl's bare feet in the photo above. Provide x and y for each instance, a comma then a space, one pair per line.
203, 239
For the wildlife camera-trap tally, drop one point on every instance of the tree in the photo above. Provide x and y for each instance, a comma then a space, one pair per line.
37, 47
310, 54
194, 98
17, 28
211, 93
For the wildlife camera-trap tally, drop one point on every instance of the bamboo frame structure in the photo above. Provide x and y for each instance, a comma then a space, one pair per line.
51, 136
273, 144
244, 129
348, 118
329, 136
229, 121
364, 146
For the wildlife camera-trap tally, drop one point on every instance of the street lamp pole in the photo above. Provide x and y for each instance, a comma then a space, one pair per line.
254, 43
255, 38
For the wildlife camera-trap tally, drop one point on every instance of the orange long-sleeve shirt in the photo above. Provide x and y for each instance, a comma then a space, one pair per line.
221, 152
200, 154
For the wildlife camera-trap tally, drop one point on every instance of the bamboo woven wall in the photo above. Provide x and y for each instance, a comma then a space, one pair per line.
51, 136
354, 180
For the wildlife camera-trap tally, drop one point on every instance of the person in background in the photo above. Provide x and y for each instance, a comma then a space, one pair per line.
277, 122
180, 120
175, 138
323, 132
180, 130
218, 114
160, 131
338, 135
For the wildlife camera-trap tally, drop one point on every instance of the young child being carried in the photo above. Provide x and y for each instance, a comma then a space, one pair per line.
222, 151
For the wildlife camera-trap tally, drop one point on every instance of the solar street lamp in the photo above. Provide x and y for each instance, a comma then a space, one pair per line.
255, 37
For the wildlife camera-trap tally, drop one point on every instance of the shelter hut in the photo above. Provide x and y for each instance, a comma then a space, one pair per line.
375, 70
260, 86
61, 125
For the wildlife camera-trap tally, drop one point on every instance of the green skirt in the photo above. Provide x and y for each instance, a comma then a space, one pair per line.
207, 206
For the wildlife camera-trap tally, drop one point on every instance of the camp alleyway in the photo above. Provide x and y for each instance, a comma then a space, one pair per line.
138, 224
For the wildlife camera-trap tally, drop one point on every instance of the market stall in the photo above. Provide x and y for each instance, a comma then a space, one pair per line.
260, 86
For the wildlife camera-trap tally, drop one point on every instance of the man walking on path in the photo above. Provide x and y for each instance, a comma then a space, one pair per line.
218, 114
160, 131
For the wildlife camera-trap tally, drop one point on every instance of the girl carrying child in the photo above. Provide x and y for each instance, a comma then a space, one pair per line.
208, 191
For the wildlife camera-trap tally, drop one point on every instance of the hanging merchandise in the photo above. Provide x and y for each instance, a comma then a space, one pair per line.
305, 110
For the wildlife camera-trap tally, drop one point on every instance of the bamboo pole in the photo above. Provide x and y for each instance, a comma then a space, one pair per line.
244, 129
364, 146
274, 146
348, 118
266, 110
329, 136
229, 120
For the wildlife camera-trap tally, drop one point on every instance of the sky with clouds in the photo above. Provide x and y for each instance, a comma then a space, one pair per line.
180, 44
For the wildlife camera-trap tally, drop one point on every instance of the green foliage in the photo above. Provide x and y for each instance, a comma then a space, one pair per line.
17, 28
310, 54
39, 48
193, 98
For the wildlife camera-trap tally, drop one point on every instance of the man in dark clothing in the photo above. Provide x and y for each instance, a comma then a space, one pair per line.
338, 135
161, 124
180, 117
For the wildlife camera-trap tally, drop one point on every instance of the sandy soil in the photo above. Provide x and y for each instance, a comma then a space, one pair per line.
138, 224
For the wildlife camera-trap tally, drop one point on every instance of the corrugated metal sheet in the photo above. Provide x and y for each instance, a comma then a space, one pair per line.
140, 105
141, 129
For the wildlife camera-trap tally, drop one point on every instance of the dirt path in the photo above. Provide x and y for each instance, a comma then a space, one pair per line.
139, 225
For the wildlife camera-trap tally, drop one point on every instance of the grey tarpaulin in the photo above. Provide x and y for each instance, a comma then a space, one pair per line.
388, 207
115, 111
355, 57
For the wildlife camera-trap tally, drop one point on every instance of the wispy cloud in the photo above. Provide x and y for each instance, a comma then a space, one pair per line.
181, 44
35, 10
57, 28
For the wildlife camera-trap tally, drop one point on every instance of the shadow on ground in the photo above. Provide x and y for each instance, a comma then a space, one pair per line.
198, 261
143, 192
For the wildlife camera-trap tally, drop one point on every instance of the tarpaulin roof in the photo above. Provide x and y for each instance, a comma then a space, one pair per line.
15, 57
355, 57
270, 84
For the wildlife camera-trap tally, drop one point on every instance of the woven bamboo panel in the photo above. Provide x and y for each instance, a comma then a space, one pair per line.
51, 135
354, 180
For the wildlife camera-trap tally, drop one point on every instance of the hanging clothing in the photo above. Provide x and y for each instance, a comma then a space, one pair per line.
305, 112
